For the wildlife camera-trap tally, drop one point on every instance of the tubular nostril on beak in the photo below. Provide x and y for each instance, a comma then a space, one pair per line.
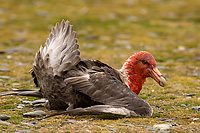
162, 81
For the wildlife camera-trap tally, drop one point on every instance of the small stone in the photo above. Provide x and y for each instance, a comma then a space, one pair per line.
2, 11
20, 106
14, 89
39, 101
82, 32
183, 105
188, 105
102, 47
28, 124
4, 70
4, 64
195, 119
18, 39
39, 105
152, 34
132, 18
111, 128
17, 49
22, 131
72, 121
178, 84
83, 11
43, 14
143, 11
4, 117
182, 48
91, 37
196, 108
173, 107
149, 128
14, 109
130, 125
169, 120
119, 41
127, 46
5, 77
131, 2
88, 131
162, 126
191, 94
161, 119
26, 102
180, 60
105, 38
35, 113
21, 32
125, 121
5, 123
197, 58
112, 16
188, 97
161, 67
16, 84
21, 64
9, 56
91, 45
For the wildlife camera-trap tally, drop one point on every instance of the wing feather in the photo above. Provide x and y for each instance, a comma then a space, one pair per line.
60, 51
110, 91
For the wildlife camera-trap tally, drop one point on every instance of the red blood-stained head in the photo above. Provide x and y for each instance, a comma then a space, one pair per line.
140, 66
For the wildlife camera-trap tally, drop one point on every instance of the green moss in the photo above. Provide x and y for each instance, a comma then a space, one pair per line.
8, 106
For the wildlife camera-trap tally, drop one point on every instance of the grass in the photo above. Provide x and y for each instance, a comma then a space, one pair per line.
167, 29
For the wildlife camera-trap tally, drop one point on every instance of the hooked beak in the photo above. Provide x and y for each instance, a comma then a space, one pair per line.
157, 76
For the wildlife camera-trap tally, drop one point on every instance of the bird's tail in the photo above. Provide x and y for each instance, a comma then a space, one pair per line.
32, 93
60, 52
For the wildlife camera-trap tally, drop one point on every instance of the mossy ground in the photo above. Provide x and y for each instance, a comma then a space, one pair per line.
110, 31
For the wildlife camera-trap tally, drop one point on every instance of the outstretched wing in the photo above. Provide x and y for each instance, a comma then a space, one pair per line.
109, 90
96, 109
60, 52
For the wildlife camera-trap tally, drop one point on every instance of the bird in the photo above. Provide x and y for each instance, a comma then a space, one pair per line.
81, 86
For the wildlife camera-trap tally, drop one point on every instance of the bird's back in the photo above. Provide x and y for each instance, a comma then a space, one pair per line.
59, 94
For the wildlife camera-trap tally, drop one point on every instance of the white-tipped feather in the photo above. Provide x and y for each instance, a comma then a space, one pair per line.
60, 51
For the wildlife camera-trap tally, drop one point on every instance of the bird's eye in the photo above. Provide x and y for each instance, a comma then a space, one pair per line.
144, 62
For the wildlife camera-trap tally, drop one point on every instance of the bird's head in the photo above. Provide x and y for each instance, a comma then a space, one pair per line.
139, 66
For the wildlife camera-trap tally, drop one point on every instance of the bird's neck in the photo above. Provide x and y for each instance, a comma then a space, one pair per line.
135, 82
131, 78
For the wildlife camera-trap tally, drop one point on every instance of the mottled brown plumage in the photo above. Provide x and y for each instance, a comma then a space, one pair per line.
89, 86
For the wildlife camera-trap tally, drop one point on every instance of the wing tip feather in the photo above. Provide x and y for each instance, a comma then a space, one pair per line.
61, 42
